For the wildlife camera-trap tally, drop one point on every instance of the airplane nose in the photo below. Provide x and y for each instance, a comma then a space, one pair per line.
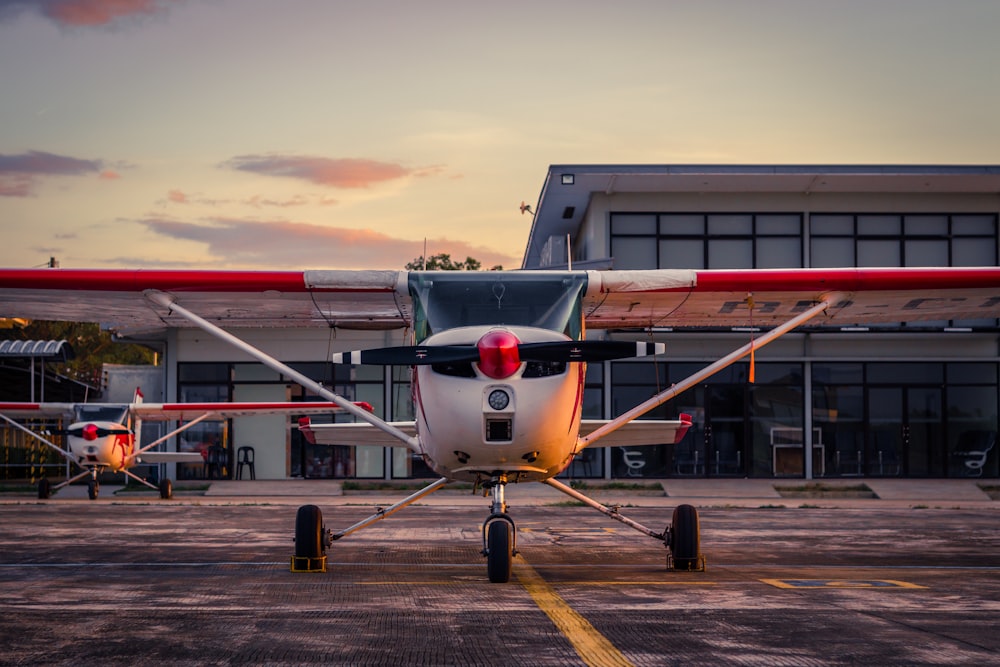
90, 432
498, 354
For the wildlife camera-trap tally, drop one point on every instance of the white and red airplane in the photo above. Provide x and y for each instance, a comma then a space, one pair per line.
499, 357
106, 437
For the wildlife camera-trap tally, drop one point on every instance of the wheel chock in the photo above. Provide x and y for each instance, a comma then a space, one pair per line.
305, 564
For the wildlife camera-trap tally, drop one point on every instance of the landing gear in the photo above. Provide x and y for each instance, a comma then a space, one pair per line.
310, 545
93, 489
44, 488
312, 538
166, 489
682, 536
499, 534
684, 540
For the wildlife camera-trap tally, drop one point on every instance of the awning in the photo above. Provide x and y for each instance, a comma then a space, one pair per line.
49, 350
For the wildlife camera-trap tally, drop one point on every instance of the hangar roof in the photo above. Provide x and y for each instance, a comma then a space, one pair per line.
567, 190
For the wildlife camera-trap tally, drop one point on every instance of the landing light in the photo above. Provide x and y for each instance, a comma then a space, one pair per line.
498, 399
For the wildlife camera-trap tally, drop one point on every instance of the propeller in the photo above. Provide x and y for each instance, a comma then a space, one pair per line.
562, 350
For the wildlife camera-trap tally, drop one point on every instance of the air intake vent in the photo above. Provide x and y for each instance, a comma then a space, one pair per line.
499, 430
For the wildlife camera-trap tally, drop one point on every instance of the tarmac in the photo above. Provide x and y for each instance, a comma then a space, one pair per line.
907, 576
885, 493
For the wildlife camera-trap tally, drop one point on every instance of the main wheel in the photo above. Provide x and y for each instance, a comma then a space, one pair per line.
309, 532
93, 488
166, 489
685, 538
500, 554
44, 488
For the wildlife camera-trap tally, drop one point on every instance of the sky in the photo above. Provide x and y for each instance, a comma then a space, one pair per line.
309, 134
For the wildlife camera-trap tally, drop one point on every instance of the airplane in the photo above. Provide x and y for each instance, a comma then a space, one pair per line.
106, 437
499, 357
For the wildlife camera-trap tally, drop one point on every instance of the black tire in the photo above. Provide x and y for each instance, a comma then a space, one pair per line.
500, 555
166, 489
309, 532
44, 488
93, 488
685, 538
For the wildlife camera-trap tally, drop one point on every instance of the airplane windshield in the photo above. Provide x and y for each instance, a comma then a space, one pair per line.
544, 299
96, 412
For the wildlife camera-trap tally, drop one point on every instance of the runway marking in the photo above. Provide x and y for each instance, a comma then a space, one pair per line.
592, 647
839, 583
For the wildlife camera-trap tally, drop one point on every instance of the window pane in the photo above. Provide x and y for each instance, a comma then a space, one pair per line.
629, 223
832, 252
682, 224
837, 225
191, 372
902, 373
973, 252
881, 225
838, 373
779, 223
730, 254
776, 253
682, 254
878, 253
964, 225
926, 253
925, 225
969, 373
633, 253
730, 225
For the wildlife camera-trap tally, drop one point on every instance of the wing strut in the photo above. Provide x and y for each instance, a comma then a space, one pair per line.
66, 455
167, 301
711, 369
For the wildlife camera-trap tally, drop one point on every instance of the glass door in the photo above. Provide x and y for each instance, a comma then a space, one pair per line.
725, 430
905, 432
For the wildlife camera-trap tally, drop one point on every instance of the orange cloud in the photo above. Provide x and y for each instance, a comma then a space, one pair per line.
337, 173
177, 197
87, 12
109, 175
237, 243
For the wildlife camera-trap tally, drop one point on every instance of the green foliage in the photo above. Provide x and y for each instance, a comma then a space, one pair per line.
444, 262
93, 348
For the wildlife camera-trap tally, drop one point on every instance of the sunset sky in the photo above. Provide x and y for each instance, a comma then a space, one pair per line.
327, 134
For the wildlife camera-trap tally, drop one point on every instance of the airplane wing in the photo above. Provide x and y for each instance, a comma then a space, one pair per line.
117, 297
614, 299
170, 457
31, 410
766, 297
218, 411
638, 432
353, 435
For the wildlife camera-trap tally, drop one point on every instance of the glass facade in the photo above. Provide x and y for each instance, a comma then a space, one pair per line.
917, 418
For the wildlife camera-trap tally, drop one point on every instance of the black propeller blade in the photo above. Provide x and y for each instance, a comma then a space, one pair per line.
410, 355
587, 350
563, 350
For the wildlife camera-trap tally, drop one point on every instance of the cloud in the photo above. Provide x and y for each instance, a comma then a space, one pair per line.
335, 173
243, 243
20, 173
84, 12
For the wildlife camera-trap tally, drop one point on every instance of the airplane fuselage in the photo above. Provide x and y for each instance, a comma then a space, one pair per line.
475, 419
101, 444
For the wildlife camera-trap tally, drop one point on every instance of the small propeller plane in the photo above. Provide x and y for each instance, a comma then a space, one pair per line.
499, 357
106, 437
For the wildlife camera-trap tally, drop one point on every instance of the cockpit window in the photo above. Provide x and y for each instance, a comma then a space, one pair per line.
543, 299
96, 412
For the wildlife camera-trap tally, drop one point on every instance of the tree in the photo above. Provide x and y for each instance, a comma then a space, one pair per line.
92, 347
444, 262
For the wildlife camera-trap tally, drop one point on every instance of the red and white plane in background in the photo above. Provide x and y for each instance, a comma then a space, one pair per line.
499, 357
106, 437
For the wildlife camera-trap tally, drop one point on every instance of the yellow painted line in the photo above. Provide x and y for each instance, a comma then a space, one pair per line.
592, 647
817, 584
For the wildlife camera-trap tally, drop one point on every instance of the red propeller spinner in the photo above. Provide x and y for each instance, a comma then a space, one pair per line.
498, 354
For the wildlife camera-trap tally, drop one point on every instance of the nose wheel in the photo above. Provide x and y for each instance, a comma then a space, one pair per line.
499, 535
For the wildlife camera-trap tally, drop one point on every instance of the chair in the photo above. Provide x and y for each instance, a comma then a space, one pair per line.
215, 462
634, 460
244, 457
973, 448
